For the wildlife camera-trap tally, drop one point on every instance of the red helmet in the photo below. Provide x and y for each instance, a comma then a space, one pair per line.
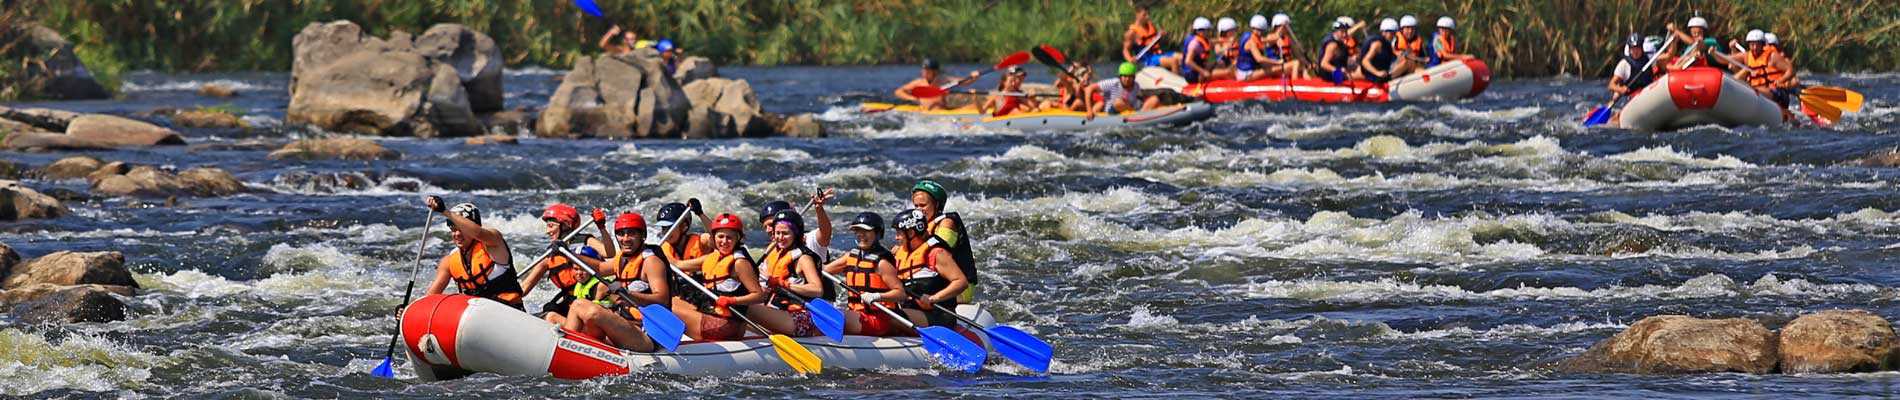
562, 213
630, 221
728, 221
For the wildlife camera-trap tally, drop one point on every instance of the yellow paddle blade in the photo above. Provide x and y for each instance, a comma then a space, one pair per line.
1840, 98
795, 354
1822, 109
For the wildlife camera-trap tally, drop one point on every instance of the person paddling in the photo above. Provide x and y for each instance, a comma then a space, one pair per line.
1628, 77
1379, 57
1194, 63
1009, 97
680, 244
817, 239
928, 271
791, 279
1119, 95
871, 270
638, 278
1696, 53
1070, 87
1765, 70
1140, 35
1336, 53
946, 229
1226, 50
1409, 47
1250, 60
728, 271
481, 265
1789, 80
562, 219
931, 75
1281, 58
1445, 43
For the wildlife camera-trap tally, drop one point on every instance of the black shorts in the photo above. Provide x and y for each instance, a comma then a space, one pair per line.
558, 305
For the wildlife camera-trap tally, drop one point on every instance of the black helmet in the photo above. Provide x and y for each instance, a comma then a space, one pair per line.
670, 214
773, 207
798, 223
468, 210
910, 220
869, 221
931, 64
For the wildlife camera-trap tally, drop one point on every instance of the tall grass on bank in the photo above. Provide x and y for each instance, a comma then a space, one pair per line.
1517, 37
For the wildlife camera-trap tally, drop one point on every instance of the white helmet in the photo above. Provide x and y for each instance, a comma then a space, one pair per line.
1698, 22
1342, 23
1445, 22
1754, 35
1258, 22
1650, 44
1408, 21
1281, 20
1227, 24
1388, 25
1770, 38
1202, 23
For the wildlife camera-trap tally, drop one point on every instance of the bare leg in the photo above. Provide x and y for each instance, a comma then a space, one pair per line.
1151, 103
778, 321
851, 324
689, 315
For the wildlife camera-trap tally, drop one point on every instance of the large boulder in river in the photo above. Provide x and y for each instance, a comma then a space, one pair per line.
48, 129
74, 167
47, 67
474, 58
732, 105
694, 68
1677, 344
145, 180
1838, 341
66, 268
121, 131
342, 148
19, 202
342, 80
616, 96
56, 304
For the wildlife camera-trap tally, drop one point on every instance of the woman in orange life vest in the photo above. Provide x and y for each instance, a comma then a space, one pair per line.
1445, 43
1279, 56
481, 264
1008, 97
1789, 79
729, 273
947, 229
927, 271
562, 272
1226, 50
871, 271
1410, 47
679, 244
639, 277
791, 278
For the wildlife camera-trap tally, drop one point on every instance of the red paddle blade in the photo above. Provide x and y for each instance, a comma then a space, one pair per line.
1014, 59
928, 91
1055, 54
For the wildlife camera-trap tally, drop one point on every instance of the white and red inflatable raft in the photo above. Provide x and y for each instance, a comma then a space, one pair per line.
1451, 80
448, 336
1697, 96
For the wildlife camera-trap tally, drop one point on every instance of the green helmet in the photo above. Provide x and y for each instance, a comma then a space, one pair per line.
936, 191
1128, 69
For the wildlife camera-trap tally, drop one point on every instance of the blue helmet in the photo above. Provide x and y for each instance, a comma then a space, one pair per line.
664, 45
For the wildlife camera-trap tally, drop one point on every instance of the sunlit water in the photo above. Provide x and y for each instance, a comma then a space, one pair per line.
1403, 250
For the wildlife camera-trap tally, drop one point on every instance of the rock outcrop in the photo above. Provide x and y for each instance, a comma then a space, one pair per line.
1677, 344
47, 66
1838, 341
74, 167
145, 180
19, 202
616, 96
65, 287
342, 148
66, 268
343, 80
206, 118
724, 108
692, 69
121, 131
47, 129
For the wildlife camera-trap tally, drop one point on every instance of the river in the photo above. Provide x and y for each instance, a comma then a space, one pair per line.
1276, 250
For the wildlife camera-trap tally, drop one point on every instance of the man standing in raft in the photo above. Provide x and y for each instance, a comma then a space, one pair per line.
481, 265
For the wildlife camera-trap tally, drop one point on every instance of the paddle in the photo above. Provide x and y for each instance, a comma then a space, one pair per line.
826, 316
385, 370
1016, 345
1601, 115
1841, 98
1150, 46
946, 345
789, 351
656, 321
525, 285
1049, 56
1014, 59
1161, 78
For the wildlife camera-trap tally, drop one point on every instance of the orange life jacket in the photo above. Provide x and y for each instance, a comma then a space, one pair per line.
1447, 44
784, 263
695, 248
477, 276
860, 273
1410, 47
1143, 35
719, 273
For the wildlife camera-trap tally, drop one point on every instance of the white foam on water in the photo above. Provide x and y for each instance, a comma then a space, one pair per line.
1512, 331
30, 364
1706, 286
1668, 154
1141, 318
744, 151
190, 85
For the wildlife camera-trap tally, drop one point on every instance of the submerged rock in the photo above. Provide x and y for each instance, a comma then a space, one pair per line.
1677, 344
52, 304
491, 139
342, 148
145, 180
216, 90
204, 118
1838, 341
71, 168
19, 202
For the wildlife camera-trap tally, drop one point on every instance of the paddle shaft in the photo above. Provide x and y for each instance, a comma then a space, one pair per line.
702, 288
900, 317
1144, 49
550, 252
427, 220
1639, 73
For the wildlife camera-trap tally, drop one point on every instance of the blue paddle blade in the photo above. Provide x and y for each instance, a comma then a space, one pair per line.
1599, 116
661, 325
828, 318
385, 370
1022, 348
953, 349
588, 7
